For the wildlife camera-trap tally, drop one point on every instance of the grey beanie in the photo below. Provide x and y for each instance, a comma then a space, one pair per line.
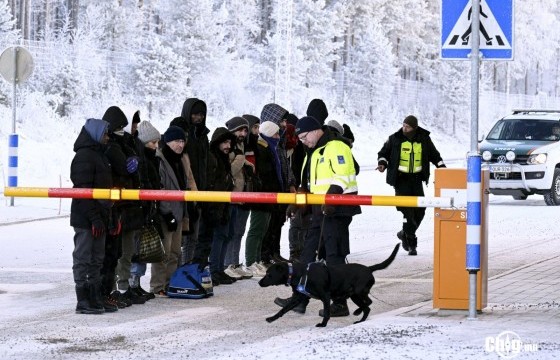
336, 126
237, 123
147, 132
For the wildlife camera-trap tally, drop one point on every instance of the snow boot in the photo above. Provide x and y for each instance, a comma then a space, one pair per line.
300, 308
402, 237
83, 306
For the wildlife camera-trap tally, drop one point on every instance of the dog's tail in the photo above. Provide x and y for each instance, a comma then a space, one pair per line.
387, 262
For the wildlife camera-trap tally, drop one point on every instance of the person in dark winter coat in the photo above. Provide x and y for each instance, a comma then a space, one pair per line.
90, 169
194, 113
215, 221
127, 215
407, 155
148, 137
270, 251
268, 170
173, 214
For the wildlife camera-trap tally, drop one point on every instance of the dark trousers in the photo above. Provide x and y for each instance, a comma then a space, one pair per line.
271, 240
299, 225
335, 243
87, 257
113, 251
410, 185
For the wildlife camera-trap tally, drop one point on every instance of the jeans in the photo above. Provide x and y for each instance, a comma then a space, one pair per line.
238, 219
220, 240
123, 267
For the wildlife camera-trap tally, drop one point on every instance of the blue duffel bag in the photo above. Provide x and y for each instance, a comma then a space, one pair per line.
191, 281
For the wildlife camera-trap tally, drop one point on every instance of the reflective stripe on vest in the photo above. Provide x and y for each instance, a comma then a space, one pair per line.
411, 157
332, 164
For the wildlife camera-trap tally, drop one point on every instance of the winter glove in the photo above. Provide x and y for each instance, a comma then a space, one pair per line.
116, 227
381, 165
97, 228
170, 221
132, 164
327, 210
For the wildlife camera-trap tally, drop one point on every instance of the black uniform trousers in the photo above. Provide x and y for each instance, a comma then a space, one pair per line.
410, 185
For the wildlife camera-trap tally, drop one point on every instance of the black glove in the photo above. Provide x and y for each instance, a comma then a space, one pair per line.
97, 228
328, 210
170, 221
442, 166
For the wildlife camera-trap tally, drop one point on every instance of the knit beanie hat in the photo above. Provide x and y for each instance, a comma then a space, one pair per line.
180, 122
116, 118
236, 123
252, 120
335, 125
147, 132
268, 128
318, 110
292, 119
174, 133
411, 121
274, 113
306, 124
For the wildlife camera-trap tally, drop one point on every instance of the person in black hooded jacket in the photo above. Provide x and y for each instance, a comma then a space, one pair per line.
90, 169
128, 215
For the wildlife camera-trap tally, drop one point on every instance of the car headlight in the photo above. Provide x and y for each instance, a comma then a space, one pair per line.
510, 156
486, 155
536, 159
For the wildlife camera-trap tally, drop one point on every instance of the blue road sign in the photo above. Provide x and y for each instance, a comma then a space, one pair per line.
496, 29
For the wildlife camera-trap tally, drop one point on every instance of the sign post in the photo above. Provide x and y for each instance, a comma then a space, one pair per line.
462, 24
16, 66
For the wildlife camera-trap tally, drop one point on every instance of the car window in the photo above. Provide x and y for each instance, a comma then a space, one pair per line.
524, 129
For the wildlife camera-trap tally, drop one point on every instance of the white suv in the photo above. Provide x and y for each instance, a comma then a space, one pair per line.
522, 152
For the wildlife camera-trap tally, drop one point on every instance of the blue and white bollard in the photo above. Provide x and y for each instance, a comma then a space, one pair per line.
474, 187
12, 162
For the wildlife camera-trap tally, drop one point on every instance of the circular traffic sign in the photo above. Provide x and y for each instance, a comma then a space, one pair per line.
16, 64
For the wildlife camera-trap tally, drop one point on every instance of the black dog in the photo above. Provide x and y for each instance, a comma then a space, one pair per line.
336, 282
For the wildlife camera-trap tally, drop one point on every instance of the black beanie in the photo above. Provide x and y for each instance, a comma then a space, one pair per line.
292, 119
306, 124
180, 122
115, 117
411, 121
174, 133
318, 110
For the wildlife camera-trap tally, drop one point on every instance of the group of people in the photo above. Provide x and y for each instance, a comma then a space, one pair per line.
276, 152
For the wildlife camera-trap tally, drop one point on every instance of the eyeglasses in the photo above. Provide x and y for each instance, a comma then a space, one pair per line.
303, 137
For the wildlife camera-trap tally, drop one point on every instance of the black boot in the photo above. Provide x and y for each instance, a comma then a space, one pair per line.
83, 306
412, 242
300, 308
402, 237
97, 298
338, 309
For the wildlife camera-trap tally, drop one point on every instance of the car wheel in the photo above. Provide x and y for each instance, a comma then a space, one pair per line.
552, 197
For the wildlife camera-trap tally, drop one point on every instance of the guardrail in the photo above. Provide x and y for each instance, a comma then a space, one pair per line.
223, 196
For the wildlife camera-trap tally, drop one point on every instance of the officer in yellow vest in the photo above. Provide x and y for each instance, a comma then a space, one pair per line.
407, 155
328, 169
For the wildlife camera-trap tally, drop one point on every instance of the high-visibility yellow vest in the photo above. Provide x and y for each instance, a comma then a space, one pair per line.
411, 157
332, 164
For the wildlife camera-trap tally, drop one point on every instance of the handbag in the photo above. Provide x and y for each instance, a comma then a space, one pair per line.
191, 281
150, 247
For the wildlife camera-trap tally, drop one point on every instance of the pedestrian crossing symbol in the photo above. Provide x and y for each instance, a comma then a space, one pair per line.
496, 29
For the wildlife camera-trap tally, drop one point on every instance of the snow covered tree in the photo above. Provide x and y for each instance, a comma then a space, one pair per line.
370, 71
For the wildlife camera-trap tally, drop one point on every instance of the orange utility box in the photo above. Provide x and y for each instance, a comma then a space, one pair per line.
451, 279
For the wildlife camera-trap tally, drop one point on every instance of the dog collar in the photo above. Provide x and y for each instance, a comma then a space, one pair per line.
290, 273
